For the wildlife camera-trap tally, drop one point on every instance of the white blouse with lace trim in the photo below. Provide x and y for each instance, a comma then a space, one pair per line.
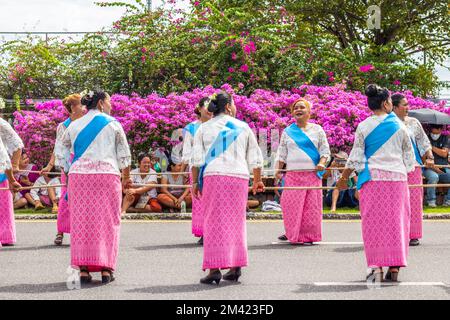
107, 154
396, 155
417, 133
9, 143
294, 157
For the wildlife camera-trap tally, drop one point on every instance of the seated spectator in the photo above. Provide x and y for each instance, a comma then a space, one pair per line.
347, 198
46, 197
252, 202
142, 199
440, 145
25, 177
19, 201
173, 197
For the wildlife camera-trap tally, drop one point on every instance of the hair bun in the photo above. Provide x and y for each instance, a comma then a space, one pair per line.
372, 90
213, 106
86, 100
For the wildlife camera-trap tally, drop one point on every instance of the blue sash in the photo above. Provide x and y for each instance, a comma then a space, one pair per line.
416, 152
223, 141
375, 140
305, 144
3, 177
191, 128
89, 133
67, 122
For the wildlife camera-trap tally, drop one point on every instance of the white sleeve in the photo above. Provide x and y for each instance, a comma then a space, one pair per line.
199, 153
282, 151
423, 142
59, 136
122, 148
324, 147
187, 148
5, 162
62, 151
254, 156
357, 158
409, 158
10, 138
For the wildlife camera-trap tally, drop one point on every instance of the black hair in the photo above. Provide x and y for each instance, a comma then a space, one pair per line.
201, 104
436, 126
91, 101
142, 156
376, 95
397, 98
219, 102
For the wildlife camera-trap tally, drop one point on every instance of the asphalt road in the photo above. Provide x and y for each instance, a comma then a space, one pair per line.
160, 260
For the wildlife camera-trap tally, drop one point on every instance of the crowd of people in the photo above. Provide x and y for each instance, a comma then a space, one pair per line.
95, 183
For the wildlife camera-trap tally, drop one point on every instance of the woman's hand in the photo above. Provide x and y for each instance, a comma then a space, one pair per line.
196, 191
14, 185
25, 181
48, 168
429, 163
258, 186
342, 184
319, 168
126, 183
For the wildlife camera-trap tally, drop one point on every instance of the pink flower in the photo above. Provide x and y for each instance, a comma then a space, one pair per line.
231, 70
397, 82
104, 54
244, 68
250, 48
366, 68
234, 56
144, 50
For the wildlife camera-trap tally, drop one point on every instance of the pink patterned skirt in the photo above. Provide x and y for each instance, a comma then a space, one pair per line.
197, 216
7, 224
224, 202
416, 200
385, 214
94, 205
63, 223
302, 209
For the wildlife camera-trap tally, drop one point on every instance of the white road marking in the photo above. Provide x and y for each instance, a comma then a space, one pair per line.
323, 243
363, 284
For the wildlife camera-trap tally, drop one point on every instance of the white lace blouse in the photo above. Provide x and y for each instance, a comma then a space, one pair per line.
9, 143
294, 157
107, 154
242, 156
188, 144
417, 133
395, 156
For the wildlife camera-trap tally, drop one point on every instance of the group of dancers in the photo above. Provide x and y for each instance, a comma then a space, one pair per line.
223, 156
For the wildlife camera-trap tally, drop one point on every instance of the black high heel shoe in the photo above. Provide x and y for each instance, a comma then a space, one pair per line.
85, 279
109, 278
392, 274
233, 275
216, 276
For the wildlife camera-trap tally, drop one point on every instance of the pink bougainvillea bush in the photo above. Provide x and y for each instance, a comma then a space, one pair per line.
150, 121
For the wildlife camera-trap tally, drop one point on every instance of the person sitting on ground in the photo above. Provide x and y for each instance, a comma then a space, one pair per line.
335, 198
279, 182
27, 176
142, 198
19, 201
440, 144
173, 197
46, 197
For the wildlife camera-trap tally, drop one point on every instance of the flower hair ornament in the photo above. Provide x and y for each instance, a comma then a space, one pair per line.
210, 98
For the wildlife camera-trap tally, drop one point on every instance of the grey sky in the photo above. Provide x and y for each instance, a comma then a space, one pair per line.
73, 15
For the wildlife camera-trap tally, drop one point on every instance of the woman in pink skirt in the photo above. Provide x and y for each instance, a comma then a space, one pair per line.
189, 132
304, 147
100, 152
10, 145
72, 103
422, 148
225, 152
383, 156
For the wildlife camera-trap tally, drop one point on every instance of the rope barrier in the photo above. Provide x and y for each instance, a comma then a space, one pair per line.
413, 186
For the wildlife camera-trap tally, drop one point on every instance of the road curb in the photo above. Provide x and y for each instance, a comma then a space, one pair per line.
250, 216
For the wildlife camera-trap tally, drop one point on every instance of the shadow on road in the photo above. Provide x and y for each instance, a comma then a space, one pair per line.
184, 288
169, 247
35, 288
273, 247
349, 249
310, 288
38, 248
